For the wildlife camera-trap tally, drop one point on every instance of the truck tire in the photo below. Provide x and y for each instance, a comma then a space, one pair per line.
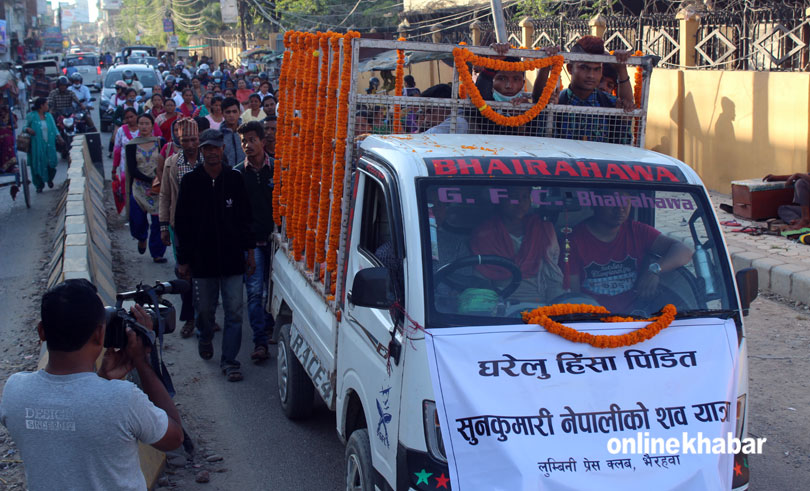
359, 469
295, 389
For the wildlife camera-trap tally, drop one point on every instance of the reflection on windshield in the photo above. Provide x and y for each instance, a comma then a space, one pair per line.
146, 77
502, 248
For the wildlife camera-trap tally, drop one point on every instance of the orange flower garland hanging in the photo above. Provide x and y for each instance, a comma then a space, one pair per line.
281, 134
339, 171
462, 56
327, 151
638, 81
542, 316
317, 149
400, 75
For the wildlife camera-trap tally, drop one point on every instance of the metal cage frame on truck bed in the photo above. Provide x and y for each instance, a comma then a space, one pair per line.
554, 120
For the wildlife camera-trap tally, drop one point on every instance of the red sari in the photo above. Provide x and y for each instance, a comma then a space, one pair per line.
187, 110
166, 127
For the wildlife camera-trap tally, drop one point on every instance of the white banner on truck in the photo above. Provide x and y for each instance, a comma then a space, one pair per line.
523, 409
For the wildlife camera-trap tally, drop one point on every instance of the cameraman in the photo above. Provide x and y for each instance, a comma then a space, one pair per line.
77, 428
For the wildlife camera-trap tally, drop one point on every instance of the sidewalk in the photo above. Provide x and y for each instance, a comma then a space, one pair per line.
783, 265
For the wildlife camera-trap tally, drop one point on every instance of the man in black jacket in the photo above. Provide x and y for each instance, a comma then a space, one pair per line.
213, 225
257, 172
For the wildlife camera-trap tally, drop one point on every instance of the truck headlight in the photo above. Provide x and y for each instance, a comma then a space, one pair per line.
433, 431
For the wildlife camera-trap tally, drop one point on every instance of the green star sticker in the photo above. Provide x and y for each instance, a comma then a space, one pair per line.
422, 477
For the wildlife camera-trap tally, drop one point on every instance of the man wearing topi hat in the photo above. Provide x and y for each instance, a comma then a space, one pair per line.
177, 166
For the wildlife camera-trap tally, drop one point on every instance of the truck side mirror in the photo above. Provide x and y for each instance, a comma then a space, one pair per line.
748, 286
373, 288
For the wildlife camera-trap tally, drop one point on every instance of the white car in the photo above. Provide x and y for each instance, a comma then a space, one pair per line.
86, 64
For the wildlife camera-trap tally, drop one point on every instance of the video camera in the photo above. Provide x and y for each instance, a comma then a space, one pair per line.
148, 297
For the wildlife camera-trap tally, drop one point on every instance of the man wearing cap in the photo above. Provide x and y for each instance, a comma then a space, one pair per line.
213, 221
175, 167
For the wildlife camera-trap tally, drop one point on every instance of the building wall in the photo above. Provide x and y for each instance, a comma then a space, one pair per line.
731, 125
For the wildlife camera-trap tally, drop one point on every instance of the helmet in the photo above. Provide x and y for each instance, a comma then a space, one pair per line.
120, 84
76, 77
128, 74
63, 80
179, 64
205, 67
217, 75
161, 66
170, 79
165, 74
240, 72
263, 76
201, 71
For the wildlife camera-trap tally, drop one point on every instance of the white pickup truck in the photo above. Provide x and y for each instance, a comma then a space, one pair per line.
427, 219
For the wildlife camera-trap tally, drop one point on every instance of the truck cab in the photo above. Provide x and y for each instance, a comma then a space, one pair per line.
427, 241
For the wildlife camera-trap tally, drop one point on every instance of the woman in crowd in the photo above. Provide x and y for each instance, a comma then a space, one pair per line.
198, 90
202, 111
243, 92
254, 111
42, 151
165, 120
172, 146
157, 105
144, 171
188, 107
215, 118
126, 132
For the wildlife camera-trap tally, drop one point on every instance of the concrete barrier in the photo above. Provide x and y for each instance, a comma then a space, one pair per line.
82, 249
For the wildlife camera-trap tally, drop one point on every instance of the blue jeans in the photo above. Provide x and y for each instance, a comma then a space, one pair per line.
140, 229
256, 286
206, 294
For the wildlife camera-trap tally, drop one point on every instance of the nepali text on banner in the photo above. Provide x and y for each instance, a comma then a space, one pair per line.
523, 409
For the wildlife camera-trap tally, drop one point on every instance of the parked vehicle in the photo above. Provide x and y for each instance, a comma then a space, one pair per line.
86, 64
137, 52
409, 209
148, 76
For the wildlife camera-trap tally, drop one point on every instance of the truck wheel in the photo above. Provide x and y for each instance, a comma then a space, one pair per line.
295, 389
359, 470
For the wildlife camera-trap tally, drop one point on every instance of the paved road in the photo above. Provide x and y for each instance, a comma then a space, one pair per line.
261, 449
242, 422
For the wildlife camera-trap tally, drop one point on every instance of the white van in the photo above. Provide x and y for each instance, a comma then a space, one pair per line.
417, 212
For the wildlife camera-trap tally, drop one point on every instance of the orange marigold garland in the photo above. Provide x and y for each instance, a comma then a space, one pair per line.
638, 81
542, 316
278, 191
339, 172
400, 75
317, 149
462, 56
327, 150
309, 115
294, 131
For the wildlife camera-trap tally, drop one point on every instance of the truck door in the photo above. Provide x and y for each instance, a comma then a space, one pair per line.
365, 338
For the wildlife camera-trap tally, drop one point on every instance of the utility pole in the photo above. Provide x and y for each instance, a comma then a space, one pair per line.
242, 10
498, 21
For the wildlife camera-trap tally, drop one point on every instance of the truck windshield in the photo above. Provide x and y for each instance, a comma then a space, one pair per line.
496, 249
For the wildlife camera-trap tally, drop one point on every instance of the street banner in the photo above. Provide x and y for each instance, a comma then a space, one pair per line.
524, 409
230, 12
168, 25
173, 43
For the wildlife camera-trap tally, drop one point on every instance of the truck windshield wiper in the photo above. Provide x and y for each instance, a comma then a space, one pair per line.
720, 313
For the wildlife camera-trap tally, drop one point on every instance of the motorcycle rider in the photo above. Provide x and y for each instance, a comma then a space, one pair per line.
169, 89
81, 90
61, 98
132, 81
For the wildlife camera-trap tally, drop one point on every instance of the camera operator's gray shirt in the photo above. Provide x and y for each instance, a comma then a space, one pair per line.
80, 431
